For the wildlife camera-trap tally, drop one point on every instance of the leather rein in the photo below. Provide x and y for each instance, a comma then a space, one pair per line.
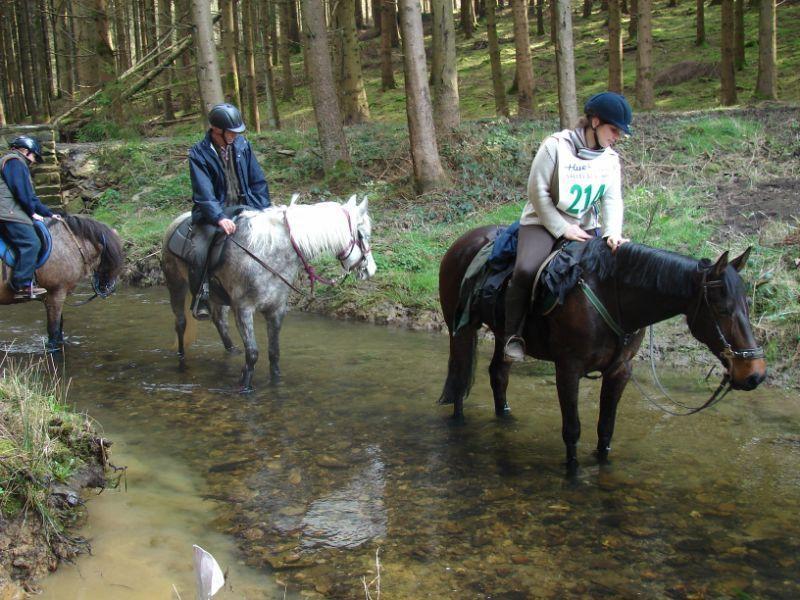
728, 353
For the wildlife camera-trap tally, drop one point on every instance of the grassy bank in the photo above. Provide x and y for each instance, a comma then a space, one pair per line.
47, 454
695, 183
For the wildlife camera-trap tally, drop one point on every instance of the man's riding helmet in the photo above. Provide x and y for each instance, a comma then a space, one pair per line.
28, 143
226, 116
611, 108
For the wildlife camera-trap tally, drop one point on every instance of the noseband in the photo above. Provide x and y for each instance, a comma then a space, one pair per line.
728, 353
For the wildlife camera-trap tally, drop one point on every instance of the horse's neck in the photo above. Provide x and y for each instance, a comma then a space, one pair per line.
637, 308
320, 232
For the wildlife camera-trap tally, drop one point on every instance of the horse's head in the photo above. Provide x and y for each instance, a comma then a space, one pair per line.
108, 261
358, 256
719, 317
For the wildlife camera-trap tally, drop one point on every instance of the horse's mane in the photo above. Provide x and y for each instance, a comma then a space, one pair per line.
640, 266
315, 228
101, 236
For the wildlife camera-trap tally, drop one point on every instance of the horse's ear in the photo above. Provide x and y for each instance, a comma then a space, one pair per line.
719, 267
362, 208
295, 196
352, 202
740, 261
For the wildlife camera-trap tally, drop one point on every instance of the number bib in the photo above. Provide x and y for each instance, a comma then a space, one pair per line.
582, 183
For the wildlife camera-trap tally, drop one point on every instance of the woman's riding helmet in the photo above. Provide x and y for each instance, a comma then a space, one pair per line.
28, 143
226, 116
611, 108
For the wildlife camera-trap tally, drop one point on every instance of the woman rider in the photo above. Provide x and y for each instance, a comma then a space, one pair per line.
574, 184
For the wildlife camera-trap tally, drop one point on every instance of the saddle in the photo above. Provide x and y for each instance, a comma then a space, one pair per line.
182, 242
8, 254
483, 289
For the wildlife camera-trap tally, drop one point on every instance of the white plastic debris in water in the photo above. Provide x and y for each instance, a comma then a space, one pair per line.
207, 574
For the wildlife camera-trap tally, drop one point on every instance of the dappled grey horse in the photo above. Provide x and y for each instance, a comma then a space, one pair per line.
261, 261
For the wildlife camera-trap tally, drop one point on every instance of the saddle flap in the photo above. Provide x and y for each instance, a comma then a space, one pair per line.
179, 243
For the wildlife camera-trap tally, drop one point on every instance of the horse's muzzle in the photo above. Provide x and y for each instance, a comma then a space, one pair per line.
750, 382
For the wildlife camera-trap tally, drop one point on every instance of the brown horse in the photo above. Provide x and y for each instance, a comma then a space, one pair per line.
81, 247
638, 286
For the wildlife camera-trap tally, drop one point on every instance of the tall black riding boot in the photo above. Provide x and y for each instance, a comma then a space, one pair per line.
516, 305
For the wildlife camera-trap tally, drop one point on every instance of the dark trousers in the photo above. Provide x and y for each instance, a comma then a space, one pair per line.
24, 239
534, 244
203, 235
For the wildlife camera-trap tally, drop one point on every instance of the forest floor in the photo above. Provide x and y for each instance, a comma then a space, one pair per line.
696, 183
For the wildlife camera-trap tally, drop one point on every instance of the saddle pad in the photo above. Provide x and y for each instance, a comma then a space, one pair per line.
9, 255
180, 242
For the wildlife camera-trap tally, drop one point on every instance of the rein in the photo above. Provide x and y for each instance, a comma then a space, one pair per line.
98, 291
312, 274
266, 266
728, 352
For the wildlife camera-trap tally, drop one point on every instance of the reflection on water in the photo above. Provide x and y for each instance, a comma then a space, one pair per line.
350, 454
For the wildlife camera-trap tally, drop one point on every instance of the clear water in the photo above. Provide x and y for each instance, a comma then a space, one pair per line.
297, 486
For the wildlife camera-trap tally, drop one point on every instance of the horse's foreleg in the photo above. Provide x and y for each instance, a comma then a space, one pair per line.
244, 322
177, 300
613, 385
54, 303
274, 322
498, 377
219, 314
567, 383
460, 370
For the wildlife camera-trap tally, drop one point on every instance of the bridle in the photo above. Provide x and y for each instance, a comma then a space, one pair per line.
358, 239
101, 291
727, 352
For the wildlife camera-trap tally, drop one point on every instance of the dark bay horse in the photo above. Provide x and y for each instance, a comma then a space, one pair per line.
262, 259
82, 247
638, 286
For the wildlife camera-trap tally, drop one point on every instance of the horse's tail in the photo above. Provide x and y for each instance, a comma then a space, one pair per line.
460, 366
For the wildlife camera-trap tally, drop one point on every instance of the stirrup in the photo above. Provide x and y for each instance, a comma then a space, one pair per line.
514, 349
200, 309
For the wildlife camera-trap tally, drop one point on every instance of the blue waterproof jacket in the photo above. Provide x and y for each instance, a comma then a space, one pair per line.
209, 189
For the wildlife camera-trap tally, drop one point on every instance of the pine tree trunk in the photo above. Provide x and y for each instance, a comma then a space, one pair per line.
323, 91
565, 63
295, 45
388, 20
553, 21
208, 76
187, 92
500, 103
355, 108
121, 37
727, 67
428, 171
644, 56
700, 36
633, 26
446, 111
24, 50
46, 14
249, 22
164, 25
524, 63
137, 12
63, 45
467, 18
539, 17
270, 41
232, 91
614, 47
739, 59
587, 8
767, 82
284, 49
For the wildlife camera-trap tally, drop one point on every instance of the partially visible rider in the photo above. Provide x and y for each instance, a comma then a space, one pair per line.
19, 208
575, 193
224, 173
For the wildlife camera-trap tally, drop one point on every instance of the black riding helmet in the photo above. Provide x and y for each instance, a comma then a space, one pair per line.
227, 117
28, 143
611, 108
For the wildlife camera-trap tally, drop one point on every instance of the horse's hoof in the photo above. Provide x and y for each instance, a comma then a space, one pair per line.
233, 350
458, 419
602, 455
246, 389
572, 467
444, 400
503, 412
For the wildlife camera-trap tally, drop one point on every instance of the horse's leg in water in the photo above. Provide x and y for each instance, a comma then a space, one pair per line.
219, 314
460, 369
498, 377
244, 322
613, 385
54, 303
274, 322
177, 300
567, 382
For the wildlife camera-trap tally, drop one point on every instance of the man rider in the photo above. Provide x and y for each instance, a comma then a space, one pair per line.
19, 207
224, 173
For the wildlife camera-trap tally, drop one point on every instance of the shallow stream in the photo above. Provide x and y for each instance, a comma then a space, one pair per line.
298, 486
